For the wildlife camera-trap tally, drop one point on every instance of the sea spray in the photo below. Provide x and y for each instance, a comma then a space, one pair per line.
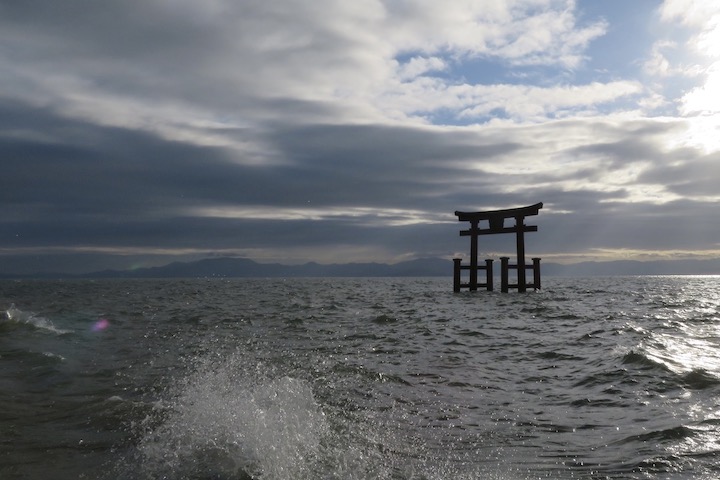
235, 418
14, 315
236, 421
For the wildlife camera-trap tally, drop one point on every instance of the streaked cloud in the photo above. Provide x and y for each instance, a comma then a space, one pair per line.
335, 130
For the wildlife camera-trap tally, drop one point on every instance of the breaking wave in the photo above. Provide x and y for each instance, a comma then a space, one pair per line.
15, 316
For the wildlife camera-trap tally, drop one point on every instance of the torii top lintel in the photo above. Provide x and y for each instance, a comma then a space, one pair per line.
496, 219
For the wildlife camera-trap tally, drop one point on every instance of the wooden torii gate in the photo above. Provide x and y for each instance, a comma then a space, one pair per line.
496, 224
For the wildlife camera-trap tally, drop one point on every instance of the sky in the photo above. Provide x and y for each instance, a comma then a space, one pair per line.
135, 133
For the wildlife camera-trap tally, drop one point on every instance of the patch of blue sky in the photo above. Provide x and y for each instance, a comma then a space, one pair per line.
479, 71
633, 34
446, 116
485, 70
618, 54
627, 43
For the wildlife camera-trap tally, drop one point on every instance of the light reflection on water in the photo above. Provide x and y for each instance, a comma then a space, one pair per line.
361, 378
684, 354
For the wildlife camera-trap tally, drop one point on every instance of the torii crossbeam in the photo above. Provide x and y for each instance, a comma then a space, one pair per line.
496, 224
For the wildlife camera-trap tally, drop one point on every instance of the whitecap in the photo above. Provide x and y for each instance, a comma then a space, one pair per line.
15, 315
54, 356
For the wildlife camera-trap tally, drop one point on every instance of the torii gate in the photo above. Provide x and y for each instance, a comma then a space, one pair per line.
496, 224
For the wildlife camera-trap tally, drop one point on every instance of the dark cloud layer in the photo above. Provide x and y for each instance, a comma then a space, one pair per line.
80, 184
142, 132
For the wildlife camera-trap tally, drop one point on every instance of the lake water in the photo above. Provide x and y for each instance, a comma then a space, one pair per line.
375, 378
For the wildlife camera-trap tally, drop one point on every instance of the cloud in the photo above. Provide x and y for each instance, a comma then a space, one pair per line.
698, 56
518, 31
141, 64
338, 130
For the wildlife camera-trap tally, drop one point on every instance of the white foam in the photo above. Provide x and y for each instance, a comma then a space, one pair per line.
55, 356
14, 314
235, 419
220, 420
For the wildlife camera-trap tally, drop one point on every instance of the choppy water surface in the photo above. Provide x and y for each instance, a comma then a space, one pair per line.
359, 379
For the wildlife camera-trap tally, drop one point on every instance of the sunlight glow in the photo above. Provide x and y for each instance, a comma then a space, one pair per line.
701, 105
704, 100
703, 132
366, 215
612, 254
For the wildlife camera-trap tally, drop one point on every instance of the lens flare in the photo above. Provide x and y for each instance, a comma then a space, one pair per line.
100, 325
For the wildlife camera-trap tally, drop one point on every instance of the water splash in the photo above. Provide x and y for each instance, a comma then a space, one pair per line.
234, 419
234, 426
14, 315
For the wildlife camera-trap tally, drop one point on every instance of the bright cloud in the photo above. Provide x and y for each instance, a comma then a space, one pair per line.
703, 20
255, 54
304, 126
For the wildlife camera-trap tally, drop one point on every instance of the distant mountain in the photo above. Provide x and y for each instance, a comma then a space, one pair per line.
632, 267
243, 267
423, 267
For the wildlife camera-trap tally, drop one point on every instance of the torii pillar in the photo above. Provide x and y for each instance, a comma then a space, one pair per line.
496, 224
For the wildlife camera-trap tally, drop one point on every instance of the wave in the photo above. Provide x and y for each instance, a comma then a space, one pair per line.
236, 430
643, 361
236, 418
15, 316
690, 355
677, 372
671, 435
699, 379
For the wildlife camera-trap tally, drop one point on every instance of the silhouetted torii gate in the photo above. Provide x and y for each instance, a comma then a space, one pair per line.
496, 224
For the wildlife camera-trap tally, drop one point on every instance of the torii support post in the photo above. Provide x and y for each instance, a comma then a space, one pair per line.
457, 275
504, 274
496, 224
536, 273
473, 257
505, 267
